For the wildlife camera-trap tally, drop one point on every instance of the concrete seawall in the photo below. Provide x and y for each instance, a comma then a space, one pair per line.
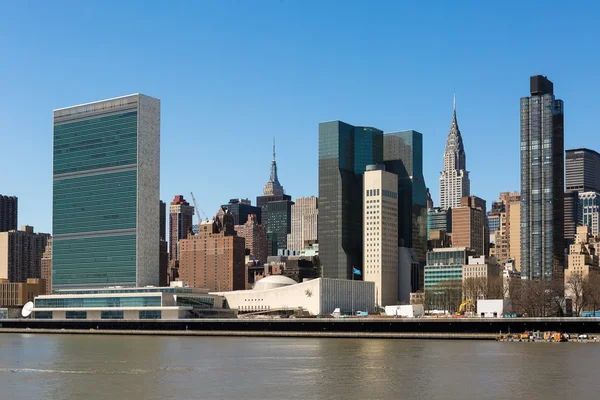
355, 335
421, 328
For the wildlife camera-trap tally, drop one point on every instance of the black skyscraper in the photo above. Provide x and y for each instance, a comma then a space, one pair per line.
542, 183
344, 153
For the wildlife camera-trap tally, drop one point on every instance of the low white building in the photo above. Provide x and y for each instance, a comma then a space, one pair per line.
405, 311
319, 296
174, 302
493, 308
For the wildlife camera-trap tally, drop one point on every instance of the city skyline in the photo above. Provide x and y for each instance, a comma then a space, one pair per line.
398, 102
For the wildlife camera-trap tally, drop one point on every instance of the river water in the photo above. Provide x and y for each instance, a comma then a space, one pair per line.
163, 367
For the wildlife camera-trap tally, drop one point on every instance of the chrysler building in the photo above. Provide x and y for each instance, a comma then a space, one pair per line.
454, 179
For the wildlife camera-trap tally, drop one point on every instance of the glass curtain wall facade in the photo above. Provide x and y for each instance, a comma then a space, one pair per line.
240, 209
443, 277
105, 193
407, 148
589, 203
542, 182
439, 219
344, 153
279, 222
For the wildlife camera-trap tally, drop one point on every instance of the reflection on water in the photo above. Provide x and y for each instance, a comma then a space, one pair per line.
129, 367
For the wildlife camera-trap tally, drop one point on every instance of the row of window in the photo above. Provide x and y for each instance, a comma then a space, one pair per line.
87, 302
116, 314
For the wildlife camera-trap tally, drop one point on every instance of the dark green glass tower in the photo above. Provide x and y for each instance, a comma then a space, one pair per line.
344, 153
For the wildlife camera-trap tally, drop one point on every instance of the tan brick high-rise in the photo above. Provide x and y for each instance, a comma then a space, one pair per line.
213, 259
255, 236
469, 228
503, 242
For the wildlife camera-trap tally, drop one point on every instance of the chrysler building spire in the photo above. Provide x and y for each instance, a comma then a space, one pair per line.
454, 179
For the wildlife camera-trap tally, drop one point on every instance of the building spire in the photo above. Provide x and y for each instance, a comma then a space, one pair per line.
454, 102
454, 180
273, 187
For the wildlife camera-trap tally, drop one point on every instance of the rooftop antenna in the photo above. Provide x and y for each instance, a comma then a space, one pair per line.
455, 101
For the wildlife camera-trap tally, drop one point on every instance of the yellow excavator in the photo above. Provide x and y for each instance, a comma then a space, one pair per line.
463, 307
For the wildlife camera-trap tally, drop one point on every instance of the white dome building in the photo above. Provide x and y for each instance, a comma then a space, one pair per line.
320, 296
273, 282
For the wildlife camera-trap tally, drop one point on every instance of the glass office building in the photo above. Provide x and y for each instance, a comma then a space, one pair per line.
105, 217
344, 153
542, 182
131, 304
439, 219
443, 276
403, 155
590, 211
582, 170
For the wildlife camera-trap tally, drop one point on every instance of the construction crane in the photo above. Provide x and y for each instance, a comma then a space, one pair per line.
198, 209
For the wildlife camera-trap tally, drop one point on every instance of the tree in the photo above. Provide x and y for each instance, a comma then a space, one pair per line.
475, 288
575, 288
537, 298
446, 295
495, 287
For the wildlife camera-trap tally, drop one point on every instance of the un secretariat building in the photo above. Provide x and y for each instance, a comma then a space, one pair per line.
105, 216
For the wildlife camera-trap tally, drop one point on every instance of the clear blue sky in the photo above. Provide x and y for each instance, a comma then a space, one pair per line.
233, 74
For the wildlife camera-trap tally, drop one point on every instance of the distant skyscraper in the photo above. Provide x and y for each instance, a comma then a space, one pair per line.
276, 210
163, 246
514, 232
469, 228
304, 223
180, 217
106, 194
429, 200
46, 266
162, 208
589, 206
573, 215
542, 182
380, 233
344, 153
439, 219
499, 222
8, 213
454, 179
582, 170
273, 187
241, 209
255, 236
407, 147
21, 253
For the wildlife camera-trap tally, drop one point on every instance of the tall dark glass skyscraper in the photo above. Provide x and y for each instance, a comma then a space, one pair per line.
407, 148
542, 182
344, 153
